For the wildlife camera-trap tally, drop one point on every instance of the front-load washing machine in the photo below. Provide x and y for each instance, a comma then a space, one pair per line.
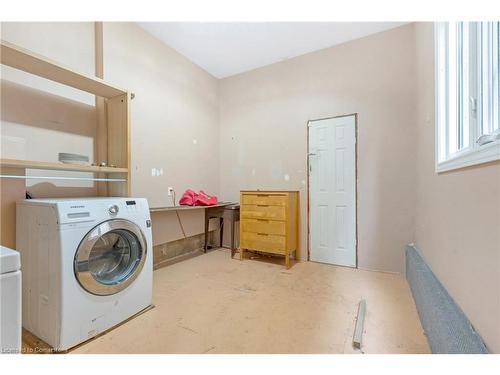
87, 265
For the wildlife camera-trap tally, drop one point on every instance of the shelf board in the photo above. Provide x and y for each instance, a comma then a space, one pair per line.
33, 63
182, 208
28, 164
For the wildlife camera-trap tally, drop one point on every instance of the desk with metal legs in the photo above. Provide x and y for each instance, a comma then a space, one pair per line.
222, 210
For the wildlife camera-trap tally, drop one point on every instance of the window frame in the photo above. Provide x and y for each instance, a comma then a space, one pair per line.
472, 153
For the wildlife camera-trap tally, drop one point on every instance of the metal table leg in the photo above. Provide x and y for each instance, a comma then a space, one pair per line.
233, 228
207, 221
221, 223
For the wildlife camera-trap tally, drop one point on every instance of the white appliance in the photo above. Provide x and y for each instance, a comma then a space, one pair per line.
87, 265
10, 301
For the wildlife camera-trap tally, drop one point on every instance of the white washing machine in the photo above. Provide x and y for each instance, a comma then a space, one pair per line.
87, 265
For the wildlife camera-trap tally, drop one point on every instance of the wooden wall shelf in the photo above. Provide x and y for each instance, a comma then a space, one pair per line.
112, 141
27, 164
116, 117
33, 63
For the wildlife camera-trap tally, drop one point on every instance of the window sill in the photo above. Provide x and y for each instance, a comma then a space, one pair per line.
467, 158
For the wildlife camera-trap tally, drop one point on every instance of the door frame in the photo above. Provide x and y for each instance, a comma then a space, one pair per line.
355, 187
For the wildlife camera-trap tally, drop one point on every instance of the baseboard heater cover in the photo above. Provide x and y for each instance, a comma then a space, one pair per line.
447, 328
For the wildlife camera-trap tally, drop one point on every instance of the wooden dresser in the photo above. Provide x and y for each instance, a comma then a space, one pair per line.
269, 222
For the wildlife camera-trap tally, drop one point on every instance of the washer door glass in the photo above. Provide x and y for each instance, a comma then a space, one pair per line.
110, 257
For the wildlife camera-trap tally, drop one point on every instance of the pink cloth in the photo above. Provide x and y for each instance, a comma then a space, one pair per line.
191, 198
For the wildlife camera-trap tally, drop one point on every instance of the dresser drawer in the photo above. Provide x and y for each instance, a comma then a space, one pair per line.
265, 199
253, 211
263, 242
263, 226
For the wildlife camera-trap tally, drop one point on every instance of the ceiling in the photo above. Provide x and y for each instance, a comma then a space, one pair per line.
227, 48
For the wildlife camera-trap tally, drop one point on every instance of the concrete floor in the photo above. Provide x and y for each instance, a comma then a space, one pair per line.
212, 304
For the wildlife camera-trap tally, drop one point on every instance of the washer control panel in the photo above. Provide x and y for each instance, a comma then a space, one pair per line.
126, 206
131, 206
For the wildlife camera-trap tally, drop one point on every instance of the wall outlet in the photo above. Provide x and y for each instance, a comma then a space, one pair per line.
170, 191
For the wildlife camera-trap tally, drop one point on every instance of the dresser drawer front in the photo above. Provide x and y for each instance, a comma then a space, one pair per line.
265, 199
252, 211
263, 242
263, 226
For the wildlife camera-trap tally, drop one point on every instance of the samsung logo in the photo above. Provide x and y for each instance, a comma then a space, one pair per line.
76, 206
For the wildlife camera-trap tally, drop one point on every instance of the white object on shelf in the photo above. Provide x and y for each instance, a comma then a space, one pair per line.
10, 301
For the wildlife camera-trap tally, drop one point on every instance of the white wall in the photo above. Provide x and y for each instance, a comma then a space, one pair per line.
177, 103
69, 43
263, 133
174, 122
174, 114
457, 214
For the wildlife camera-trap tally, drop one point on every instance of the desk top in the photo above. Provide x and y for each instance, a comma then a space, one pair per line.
182, 208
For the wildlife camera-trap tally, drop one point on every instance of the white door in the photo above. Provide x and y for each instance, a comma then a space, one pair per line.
332, 190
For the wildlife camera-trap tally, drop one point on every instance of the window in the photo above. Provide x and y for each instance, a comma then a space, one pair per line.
467, 94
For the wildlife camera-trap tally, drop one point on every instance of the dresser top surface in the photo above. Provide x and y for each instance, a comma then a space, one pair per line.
268, 191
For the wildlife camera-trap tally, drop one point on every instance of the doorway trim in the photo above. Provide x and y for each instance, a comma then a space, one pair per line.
355, 187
